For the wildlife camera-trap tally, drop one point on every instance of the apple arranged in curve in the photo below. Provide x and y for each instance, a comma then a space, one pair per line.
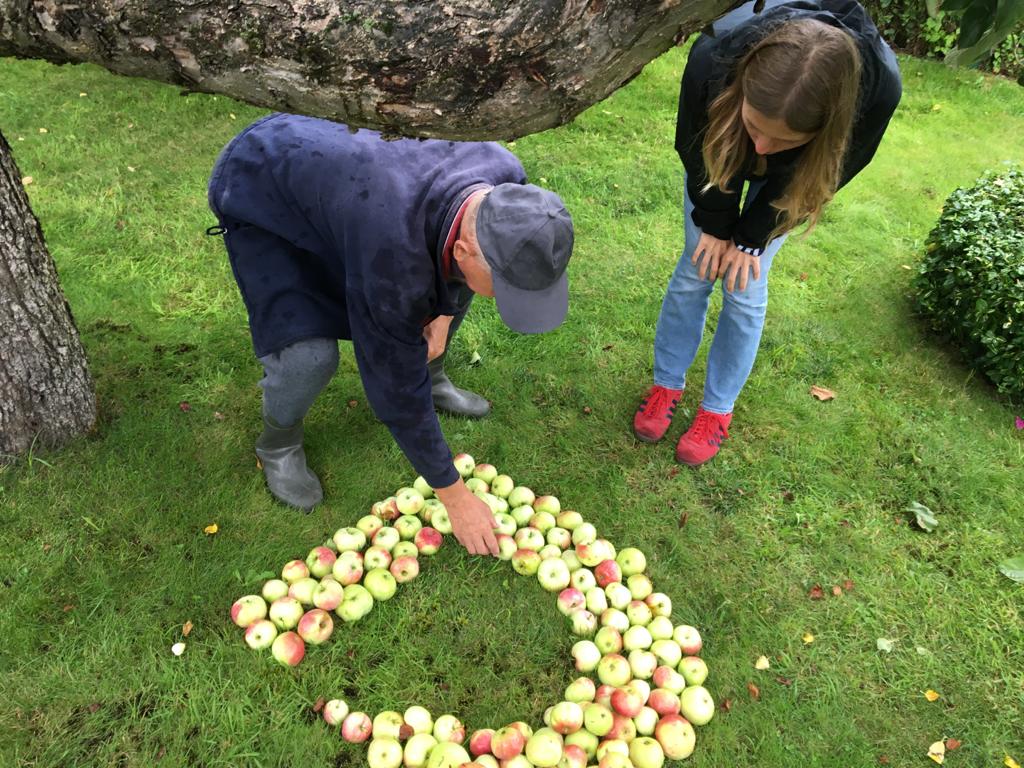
651, 693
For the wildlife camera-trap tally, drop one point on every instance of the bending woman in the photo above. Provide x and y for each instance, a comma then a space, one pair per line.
792, 103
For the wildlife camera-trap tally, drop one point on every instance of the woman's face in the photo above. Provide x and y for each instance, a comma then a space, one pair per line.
770, 135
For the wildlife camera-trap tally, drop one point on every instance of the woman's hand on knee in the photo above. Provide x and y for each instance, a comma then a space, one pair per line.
712, 249
735, 265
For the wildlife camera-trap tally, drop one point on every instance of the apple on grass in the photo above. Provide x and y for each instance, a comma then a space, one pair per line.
607, 572
356, 727
623, 728
464, 465
583, 622
377, 557
368, 525
569, 519
521, 496
409, 501
501, 486
696, 705
639, 613
641, 687
408, 526
580, 690
448, 728
294, 570
260, 634
486, 472
688, 638
660, 603
352, 539
598, 719
619, 596
582, 578
646, 752
348, 568
428, 540
285, 613
597, 600
328, 595
573, 756
616, 619
646, 722
387, 725
553, 575
405, 569
626, 702
664, 701
614, 670
386, 510
583, 739
478, 487
550, 552
419, 719
417, 750
642, 664
612, 746
676, 736
543, 522
380, 584
335, 711
586, 655
525, 562
480, 742
506, 524
506, 546
441, 521
561, 538
566, 717
632, 561
608, 640
386, 538
544, 748
248, 610
669, 679
507, 742
274, 589
288, 649
319, 561
529, 538
637, 638
404, 549
693, 669
549, 504
447, 754
384, 753
569, 600
640, 586
356, 603
302, 590
668, 652
316, 626
660, 628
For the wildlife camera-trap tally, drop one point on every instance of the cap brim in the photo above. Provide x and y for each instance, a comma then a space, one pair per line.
532, 311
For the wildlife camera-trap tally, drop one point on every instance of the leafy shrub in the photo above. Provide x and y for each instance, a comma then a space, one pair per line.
970, 285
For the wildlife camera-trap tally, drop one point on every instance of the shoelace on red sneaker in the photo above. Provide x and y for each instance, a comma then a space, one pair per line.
708, 428
659, 399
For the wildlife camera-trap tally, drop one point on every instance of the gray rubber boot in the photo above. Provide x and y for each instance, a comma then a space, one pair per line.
284, 464
451, 399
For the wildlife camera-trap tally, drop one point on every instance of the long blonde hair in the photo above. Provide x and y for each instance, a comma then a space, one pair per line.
806, 73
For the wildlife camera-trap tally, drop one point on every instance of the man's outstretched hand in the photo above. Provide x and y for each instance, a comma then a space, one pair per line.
472, 521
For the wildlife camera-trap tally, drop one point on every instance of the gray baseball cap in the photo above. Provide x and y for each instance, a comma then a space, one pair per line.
526, 237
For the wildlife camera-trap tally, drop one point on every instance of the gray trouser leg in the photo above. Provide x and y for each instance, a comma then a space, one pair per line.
448, 397
292, 380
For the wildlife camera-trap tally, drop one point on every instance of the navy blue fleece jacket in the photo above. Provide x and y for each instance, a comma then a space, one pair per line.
352, 233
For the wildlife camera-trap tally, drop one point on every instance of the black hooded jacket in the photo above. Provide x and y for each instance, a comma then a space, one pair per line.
711, 66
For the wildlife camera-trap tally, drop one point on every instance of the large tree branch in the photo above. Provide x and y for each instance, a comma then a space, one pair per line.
462, 69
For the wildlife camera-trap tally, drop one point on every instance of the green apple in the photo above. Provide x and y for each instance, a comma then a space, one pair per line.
632, 561
696, 704
380, 583
646, 752
598, 719
356, 604
544, 747
447, 754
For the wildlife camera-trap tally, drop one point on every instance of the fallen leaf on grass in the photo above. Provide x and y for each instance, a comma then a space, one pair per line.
787, 496
82, 94
883, 760
211, 529
783, 681
186, 629
1018, 423
803, 277
178, 648
475, 358
937, 752
353, 403
94, 708
952, 744
848, 585
683, 518
821, 393
726, 705
885, 644
185, 406
26, 180
43, 130
808, 638
762, 663
68, 608
755, 692
587, 410
816, 592
925, 517
837, 590
218, 416
1009, 762
319, 704
931, 695
1013, 568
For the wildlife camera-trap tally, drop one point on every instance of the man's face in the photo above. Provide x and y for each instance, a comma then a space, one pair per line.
475, 269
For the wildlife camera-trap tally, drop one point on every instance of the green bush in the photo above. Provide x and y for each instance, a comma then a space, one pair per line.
906, 25
970, 286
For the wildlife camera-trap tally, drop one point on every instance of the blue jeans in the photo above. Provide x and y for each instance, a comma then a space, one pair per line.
683, 314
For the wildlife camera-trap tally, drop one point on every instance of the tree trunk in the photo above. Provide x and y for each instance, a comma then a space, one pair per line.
461, 69
46, 393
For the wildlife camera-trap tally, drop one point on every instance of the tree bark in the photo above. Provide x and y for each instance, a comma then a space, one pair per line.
46, 394
461, 69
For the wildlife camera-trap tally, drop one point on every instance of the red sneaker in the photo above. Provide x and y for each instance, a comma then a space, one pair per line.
655, 413
704, 437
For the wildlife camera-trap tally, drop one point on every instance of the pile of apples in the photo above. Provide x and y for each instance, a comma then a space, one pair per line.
638, 713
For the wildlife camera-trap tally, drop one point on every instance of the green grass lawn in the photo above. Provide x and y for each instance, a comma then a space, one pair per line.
104, 555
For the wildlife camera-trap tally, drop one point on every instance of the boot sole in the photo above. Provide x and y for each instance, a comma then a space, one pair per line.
646, 439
